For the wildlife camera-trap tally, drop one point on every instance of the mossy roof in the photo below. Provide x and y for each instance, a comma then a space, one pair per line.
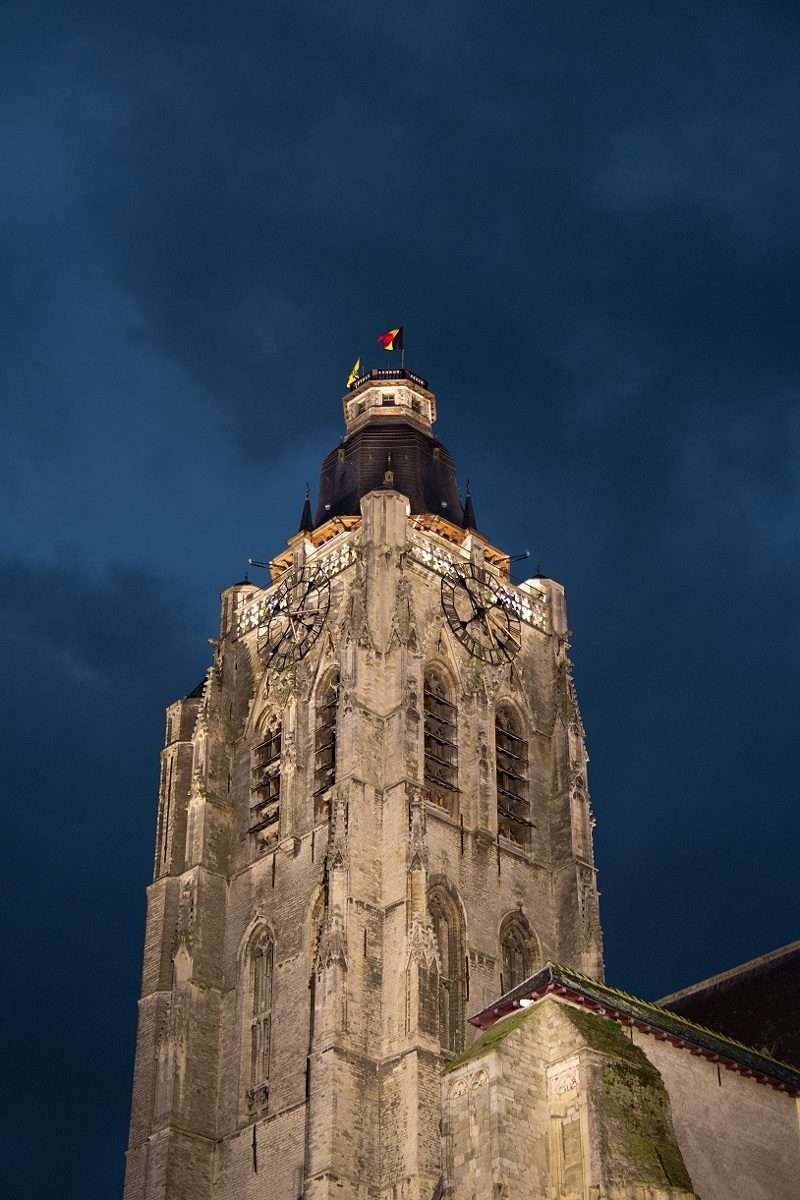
556, 980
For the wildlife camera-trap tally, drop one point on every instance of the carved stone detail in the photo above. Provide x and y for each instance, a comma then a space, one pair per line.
281, 686
422, 945
474, 1081
338, 840
258, 1098
472, 678
566, 696
332, 948
417, 837
588, 907
356, 625
404, 624
480, 679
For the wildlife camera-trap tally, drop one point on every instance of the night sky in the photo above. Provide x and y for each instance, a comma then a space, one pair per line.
587, 218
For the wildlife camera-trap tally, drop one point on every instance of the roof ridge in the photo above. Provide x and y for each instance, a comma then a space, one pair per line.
648, 1013
673, 1016
763, 960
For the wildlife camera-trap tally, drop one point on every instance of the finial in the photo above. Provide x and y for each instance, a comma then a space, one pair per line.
470, 521
306, 519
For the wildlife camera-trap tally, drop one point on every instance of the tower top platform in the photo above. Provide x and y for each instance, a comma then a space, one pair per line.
389, 394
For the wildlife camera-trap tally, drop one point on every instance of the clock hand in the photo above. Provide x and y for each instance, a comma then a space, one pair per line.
492, 616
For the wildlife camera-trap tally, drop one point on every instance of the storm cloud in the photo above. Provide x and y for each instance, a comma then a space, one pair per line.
586, 218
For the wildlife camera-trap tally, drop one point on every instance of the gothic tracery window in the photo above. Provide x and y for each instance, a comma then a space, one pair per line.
265, 788
325, 736
517, 955
511, 769
259, 985
441, 748
449, 931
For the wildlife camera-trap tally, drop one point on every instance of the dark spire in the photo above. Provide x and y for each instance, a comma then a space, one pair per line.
469, 521
306, 520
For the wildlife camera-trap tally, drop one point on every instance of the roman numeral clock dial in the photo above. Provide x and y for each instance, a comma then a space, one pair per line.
479, 614
294, 619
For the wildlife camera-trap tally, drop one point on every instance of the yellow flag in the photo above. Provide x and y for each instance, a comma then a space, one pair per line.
353, 376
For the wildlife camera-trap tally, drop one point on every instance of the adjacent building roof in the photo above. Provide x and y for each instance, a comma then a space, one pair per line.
756, 1003
649, 1018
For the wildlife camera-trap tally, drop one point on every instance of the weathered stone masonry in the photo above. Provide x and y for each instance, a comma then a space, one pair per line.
321, 922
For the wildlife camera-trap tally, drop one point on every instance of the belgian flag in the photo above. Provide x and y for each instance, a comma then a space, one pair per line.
393, 339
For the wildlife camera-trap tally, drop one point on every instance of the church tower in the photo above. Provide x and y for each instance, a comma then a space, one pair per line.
373, 822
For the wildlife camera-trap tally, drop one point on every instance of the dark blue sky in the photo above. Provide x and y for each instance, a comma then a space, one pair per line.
587, 218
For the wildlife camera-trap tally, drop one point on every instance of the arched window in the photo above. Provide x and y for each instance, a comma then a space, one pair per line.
259, 999
517, 953
265, 788
511, 759
441, 749
449, 930
325, 737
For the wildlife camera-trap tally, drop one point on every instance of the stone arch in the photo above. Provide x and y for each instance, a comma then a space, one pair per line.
512, 774
449, 927
266, 762
520, 951
440, 754
256, 977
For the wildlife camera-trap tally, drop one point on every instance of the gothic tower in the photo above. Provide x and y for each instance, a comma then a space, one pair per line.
373, 821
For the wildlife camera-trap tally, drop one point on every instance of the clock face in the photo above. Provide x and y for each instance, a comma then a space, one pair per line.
479, 614
294, 618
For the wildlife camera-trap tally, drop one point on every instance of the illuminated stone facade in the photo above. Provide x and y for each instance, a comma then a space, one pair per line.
373, 820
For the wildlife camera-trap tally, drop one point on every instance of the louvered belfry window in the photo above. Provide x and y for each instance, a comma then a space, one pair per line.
441, 748
511, 757
265, 787
325, 736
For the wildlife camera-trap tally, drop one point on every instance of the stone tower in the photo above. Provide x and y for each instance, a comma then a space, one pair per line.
373, 820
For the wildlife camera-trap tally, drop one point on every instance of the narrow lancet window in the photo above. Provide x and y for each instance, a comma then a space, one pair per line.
325, 738
516, 954
511, 757
448, 928
265, 789
441, 748
259, 984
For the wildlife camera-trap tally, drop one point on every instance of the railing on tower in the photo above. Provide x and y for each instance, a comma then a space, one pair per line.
388, 373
